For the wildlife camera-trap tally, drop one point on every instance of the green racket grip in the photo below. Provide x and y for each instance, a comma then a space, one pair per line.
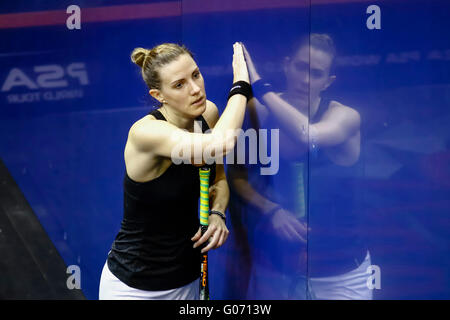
204, 195
300, 200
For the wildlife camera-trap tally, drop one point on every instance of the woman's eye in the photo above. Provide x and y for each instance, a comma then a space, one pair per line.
316, 73
300, 66
179, 85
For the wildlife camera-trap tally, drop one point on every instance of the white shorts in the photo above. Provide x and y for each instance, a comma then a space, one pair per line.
348, 286
111, 288
273, 285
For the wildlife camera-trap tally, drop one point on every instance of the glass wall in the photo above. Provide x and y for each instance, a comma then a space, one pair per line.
339, 181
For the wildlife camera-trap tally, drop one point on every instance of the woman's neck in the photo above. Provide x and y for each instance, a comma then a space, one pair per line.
177, 119
306, 107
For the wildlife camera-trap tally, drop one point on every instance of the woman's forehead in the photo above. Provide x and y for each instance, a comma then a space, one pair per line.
183, 66
316, 58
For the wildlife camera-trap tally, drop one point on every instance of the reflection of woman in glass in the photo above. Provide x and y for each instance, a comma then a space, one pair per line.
319, 153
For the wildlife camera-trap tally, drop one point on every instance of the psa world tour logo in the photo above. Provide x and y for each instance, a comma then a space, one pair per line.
51, 82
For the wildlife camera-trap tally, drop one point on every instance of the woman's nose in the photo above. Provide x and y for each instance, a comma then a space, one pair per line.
194, 88
304, 77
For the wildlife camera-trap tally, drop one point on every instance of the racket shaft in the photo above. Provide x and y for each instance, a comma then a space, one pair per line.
204, 286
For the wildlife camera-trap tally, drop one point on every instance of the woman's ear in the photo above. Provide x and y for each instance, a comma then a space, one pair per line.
329, 82
286, 62
155, 93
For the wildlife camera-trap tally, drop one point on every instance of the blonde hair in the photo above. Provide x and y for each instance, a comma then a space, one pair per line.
152, 60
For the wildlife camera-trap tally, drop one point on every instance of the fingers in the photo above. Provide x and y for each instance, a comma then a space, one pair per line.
245, 51
215, 235
212, 243
300, 230
289, 227
238, 56
239, 65
222, 238
218, 239
197, 234
292, 234
238, 49
204, 237
253, 73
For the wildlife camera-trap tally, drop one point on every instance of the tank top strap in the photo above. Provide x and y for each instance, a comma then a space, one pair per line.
157, 114
323, 107
205, 125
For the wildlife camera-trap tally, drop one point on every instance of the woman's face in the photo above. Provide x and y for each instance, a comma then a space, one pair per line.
308, 73
182, 87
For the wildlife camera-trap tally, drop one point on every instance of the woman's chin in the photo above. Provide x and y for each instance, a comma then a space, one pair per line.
199, 109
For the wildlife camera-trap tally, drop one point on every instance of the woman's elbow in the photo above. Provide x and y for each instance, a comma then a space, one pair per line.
221, 145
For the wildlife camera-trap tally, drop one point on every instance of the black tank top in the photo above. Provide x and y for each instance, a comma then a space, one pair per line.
335, 244
153, 249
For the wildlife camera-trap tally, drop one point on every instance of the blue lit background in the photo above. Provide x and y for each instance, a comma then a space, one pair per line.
66, 155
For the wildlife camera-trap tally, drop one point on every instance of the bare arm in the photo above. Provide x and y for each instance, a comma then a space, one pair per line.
238, 176
338, 124
283, 222
219, 191
161, 138
219, 196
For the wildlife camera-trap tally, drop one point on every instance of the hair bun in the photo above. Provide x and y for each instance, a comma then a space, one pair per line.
138, 56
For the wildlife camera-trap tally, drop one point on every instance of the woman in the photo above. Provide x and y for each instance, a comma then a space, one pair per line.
317, 183
156, 254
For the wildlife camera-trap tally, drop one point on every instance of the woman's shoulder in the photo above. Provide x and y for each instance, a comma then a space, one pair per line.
336, 106
149, 128
142, 122
342, 112
333, 104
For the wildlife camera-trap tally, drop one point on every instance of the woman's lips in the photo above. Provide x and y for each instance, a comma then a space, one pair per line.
198, 101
